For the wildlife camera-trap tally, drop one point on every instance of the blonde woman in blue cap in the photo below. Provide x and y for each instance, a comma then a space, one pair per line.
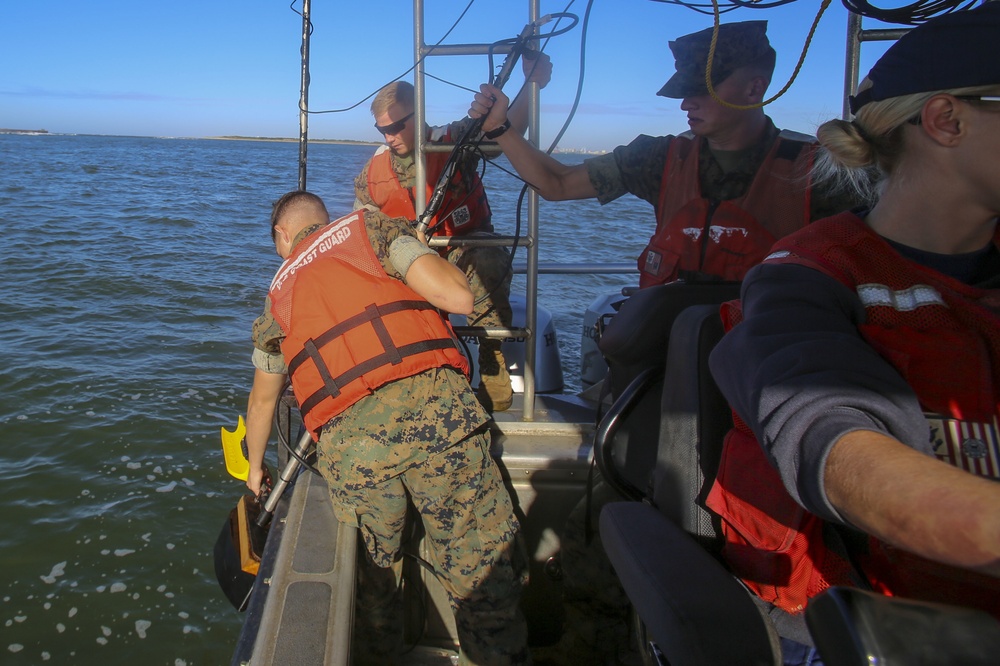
864, 361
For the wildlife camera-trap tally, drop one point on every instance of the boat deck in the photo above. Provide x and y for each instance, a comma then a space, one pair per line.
301, 608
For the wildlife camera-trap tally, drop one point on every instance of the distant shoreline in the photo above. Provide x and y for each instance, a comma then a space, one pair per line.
345, 142
276, 139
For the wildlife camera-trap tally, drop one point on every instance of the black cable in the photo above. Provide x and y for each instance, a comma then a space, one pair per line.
914, 13
701, 8
375, 92
283, 436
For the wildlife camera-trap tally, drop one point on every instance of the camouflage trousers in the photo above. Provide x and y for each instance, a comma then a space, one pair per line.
471, 534
489, 274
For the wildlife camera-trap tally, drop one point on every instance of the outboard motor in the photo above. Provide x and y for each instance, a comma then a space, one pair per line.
593, 367
548, 365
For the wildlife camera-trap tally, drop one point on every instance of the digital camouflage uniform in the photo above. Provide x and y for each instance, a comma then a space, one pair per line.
424, 438
596, 605
487, 269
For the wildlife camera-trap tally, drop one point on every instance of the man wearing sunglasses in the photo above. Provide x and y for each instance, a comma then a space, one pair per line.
387, 182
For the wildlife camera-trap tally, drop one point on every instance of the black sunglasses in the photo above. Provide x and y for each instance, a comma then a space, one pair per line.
393, 128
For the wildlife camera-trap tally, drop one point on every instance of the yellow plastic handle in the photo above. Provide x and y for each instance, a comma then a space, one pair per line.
237, 463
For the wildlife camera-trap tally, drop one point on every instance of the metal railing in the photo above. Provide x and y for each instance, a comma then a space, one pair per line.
421, 51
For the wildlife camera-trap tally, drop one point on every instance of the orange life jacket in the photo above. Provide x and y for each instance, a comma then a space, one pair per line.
349, 327
725, 239
465, 208
944, 339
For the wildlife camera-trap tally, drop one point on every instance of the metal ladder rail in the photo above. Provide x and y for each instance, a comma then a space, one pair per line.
420, 51
855, 36
852, 61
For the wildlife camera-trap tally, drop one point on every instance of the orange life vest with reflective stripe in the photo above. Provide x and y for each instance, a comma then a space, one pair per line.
464, 209
944, 339
349, 327
725, 239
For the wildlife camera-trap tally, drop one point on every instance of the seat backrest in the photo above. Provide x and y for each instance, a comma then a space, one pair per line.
636, 339
694, 420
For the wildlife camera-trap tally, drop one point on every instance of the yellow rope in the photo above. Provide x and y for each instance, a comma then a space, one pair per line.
798, 66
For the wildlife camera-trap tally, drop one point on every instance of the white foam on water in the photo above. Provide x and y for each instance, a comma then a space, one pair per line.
91, 413
145, 537
57, 570
141, 626
183, 615
22, 417
102, 640
105, 630
118, 587
15, 647
167, 488
20, 618
46, 656
158, 470
72, 612
134, 465
122, 552
170, 546
60, 627
187, 482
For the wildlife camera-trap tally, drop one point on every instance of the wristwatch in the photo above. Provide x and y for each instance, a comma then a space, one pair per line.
494, 133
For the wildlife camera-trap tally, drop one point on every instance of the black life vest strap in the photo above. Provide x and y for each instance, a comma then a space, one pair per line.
371, 364
392, 354
370, 313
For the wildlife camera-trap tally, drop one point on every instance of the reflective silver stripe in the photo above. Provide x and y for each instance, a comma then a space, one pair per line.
330, 237
780, 254
904, 300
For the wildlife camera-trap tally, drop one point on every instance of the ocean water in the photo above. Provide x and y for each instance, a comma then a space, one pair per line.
134, 268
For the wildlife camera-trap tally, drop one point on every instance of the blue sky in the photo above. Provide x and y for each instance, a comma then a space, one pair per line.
231, 67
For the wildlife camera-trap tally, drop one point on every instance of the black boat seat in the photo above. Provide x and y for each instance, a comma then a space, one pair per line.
635, 345
663, 549
692, 608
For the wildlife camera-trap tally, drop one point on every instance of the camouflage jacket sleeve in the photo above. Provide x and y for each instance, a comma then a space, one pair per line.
361, 192
636, 169
266, 333
382, 232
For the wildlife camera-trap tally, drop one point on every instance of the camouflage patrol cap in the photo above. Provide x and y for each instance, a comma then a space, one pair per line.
739, 44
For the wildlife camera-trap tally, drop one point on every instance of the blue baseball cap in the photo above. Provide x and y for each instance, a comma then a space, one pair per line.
955, 50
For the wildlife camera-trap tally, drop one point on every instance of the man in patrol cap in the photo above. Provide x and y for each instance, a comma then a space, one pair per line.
723, 192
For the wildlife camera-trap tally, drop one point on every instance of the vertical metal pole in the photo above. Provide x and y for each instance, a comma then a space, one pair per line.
852, 60
304, 97
531, 276
419, 110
